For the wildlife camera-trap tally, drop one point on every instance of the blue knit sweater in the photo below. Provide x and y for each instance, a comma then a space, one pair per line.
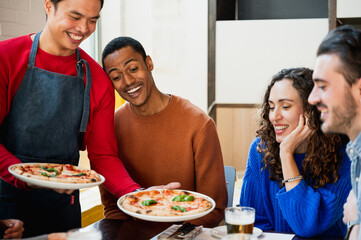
305, 211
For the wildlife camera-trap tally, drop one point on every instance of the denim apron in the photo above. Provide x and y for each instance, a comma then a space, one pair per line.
46, 123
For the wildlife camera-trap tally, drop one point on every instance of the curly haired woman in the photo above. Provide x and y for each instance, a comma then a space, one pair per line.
297, 178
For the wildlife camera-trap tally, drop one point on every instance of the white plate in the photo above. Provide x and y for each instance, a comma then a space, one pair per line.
171, 218
221, 231
57, 185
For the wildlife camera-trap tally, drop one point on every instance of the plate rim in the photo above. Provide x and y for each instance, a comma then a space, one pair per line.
213, 230
49, 184
167, 218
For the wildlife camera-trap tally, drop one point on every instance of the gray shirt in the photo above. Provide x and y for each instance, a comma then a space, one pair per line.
354, 152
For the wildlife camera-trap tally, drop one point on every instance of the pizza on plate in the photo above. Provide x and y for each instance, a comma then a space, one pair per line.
165, 202
62, 173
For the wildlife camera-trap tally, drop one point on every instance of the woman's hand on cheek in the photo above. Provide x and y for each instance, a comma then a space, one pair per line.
296, 137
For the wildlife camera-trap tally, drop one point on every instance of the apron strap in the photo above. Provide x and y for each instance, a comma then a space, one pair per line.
86, 104
34, 49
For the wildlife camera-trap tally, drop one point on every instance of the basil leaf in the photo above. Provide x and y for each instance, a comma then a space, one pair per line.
177, 198
178, 208
78, 175
183, 198
188, 198
149, 202
46, 175
50, 170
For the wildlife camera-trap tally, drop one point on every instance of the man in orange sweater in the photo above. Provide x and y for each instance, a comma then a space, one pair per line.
161, 137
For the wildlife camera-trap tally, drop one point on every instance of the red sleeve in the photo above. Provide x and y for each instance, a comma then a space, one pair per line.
7, 159
101, 142
12, 69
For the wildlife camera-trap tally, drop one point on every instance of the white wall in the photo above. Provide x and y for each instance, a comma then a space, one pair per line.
348, 8
89, 45
110, 21
173, 33
249, 53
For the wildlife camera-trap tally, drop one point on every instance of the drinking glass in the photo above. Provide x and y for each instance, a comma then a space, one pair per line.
240, 219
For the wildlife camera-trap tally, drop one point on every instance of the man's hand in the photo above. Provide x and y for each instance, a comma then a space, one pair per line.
354, 233
61, 191
13, 228
350, 211
171, 185
57, 236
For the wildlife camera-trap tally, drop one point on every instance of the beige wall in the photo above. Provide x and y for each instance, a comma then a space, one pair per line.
236, 126
20, 17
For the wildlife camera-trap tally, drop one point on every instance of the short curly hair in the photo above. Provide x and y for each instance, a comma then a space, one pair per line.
122, 42
322, 159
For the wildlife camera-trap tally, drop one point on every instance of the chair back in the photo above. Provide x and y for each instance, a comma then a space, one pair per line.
230, 173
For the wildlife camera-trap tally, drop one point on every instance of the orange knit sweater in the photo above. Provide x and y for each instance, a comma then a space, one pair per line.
181, 144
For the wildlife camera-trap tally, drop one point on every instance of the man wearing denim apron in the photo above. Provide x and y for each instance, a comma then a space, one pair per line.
54, 101
337, 95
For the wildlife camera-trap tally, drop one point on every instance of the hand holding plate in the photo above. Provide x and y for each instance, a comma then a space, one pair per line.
171, 185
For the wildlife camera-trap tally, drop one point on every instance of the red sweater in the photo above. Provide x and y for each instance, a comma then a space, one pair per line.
99, 138
178, 144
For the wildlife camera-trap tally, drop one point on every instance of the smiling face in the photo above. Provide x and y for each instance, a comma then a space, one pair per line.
333, 96
285, 108
70, 23
131, 75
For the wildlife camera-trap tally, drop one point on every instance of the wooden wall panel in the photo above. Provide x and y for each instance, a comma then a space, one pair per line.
236, 128
226, 133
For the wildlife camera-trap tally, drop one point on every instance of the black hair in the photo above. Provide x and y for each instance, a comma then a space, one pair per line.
345, 42
55, 2
121, 42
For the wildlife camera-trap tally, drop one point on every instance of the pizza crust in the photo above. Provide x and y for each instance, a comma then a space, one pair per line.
61, 173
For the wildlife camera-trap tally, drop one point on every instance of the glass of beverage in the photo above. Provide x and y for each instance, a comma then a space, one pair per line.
240, 219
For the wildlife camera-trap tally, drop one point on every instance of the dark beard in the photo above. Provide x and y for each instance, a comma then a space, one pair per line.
343, 116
